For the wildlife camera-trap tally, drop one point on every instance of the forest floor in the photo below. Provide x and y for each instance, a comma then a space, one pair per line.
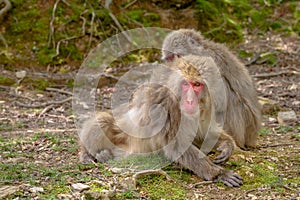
39, 150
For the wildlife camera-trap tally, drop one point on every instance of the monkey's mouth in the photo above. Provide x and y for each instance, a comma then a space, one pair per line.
171, 56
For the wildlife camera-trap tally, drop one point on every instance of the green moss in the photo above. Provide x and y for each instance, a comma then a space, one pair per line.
263, 173
264, 131
6, 81
125, 195
245, 54
158, 187
146, 18
40, 83
285, 129
218, 19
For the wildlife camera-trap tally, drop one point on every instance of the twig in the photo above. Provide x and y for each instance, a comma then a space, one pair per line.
58, 90
113, 17
253, 60
44, 104
265, 75
3, 40
83, 24
130, 4
218, 28
64, 40
51, 34
137, 175
65, 2
202, 183
5, 9
45, 110
276, 145
288, 188
3, 12
92, 29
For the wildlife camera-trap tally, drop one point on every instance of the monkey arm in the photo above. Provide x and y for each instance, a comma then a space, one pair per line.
200, 164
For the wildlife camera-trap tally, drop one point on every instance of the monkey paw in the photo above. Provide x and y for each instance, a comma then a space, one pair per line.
104, 155
230, 179
226, 151
86, 158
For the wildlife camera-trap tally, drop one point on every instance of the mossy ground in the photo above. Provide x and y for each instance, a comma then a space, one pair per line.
41, 151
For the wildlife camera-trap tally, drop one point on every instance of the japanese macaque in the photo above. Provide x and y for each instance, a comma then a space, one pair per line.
242, 115
174, 117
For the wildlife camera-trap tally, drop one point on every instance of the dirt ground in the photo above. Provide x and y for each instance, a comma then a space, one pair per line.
32, 133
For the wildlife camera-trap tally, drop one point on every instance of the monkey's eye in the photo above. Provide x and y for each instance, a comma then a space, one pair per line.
197, 84
185, 83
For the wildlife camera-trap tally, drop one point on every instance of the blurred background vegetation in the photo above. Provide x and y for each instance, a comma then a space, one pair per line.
56, 35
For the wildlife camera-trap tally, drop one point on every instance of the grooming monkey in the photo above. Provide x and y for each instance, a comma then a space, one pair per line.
242, 116
175, 119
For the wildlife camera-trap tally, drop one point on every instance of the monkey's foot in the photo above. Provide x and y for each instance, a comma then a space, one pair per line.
86, 158
230, 179
104, 155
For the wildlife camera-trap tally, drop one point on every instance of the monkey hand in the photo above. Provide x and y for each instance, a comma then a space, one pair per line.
226, 149
230, 179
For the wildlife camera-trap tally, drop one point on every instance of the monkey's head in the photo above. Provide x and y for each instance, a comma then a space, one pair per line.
189, 85
181, 42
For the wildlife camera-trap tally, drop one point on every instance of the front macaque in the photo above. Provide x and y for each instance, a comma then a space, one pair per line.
239, 109
186, 129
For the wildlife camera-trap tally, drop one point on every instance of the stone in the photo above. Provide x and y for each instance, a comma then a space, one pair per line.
286, 116
80, 187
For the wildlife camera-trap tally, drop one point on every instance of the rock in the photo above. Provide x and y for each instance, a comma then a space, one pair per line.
80, 187
36, 189
272, 119
117, 170
268, 106
287, 116
21, 74
296, 103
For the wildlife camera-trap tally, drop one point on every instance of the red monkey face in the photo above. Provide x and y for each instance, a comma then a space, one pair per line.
191, 92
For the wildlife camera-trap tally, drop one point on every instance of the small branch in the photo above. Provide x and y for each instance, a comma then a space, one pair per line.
113, 17
276, 145
218, 28
5, 9
51, 34
253, 60
45, 110
202, 183
130, 4
3, 40
137, 175
83, 24
92, 29
43, 104
60, 91
63, 40
288, 188
266, 75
